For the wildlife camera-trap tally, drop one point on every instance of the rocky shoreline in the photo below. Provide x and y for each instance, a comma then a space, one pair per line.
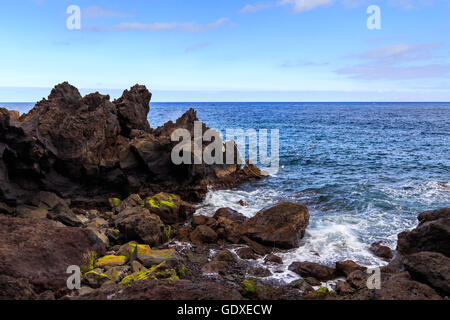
85, 181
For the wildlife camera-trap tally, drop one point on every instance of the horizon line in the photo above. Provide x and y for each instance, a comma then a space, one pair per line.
178, 102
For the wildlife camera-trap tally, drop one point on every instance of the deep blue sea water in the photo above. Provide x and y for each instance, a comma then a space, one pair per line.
365, 170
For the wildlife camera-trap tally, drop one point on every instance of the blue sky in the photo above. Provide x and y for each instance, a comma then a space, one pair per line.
229, 50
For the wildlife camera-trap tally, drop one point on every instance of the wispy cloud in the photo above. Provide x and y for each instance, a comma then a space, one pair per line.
98, 12
297, 64
396, 62
162, 26
249, 8
401, 52
197, 46
297, 5
306, 5
410, 4
391, 72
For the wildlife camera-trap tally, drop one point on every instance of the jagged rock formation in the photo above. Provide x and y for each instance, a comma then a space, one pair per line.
88, 148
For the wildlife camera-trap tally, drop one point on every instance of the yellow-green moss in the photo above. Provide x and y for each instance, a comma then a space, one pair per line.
168, 232
168, 274
114, 202
249, 285
141, 249
111, 260
322, 290
142, 275
129, 248
164, 253
159, 200
98, 274
88, 261
182, 271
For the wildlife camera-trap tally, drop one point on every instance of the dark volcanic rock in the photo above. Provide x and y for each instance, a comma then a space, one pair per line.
347, 267
165, 290
431, 268
16, 289
89, 148
140, 225
132, 109
281, 226
378, 249
398, 287
169, 207
203, 234
36, 254
432, 234
202, 220
311, 269
246, 253
273, 259
230, 214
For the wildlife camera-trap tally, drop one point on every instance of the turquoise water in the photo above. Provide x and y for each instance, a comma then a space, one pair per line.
365, 170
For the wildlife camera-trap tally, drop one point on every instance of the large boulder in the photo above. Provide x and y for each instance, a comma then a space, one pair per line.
432, 234
37, 254
138, 224
281, 226
311, 269
397, 287
347, 267
169, 207
431, 268
203, 234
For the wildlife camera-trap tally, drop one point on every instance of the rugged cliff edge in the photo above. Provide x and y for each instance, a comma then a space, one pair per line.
86, 148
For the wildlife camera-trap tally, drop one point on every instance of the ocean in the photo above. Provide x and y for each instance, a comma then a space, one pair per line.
364, 170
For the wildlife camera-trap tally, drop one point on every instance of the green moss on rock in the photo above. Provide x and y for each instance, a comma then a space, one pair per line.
111, 261
88, 261
249, 285
114, 202
142, 275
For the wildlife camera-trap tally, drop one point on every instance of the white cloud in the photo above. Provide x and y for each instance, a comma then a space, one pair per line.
162, 26
410, 4
392, 72
401, 52
249, 8
401, 61
98, 12
297, 5
305, 5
